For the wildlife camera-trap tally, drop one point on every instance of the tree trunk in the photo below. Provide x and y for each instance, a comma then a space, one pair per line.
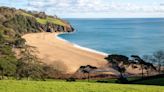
121, 74
142, 70
28, 78
147, 72
2, 74
159, 68
88, 77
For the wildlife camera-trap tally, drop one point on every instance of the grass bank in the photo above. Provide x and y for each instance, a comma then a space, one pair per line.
62, 86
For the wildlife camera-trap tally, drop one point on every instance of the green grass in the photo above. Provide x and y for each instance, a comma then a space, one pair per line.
25, 14
62, 86
52, 20
41, 21
44, 21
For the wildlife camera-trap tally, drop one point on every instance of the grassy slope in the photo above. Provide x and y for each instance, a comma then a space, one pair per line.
44, 21
52, 20
61, 86
25, 14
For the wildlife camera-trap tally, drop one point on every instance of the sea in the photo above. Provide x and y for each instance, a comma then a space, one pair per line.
125, 36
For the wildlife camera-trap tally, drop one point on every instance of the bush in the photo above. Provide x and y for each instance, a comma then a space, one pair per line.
122, 80
102, 81
71, 79
20, 42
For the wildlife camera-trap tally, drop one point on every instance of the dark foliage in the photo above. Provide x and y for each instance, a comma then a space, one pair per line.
71, 79
122, 80
118, 63
118, 59
88, 69
144, 65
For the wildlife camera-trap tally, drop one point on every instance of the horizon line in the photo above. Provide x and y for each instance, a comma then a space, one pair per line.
112, 18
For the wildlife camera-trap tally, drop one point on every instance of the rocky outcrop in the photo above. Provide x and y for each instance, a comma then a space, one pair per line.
50, 27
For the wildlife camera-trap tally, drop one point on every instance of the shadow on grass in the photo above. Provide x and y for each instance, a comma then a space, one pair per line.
151, 80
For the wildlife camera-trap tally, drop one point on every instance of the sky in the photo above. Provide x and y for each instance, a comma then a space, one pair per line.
92, 8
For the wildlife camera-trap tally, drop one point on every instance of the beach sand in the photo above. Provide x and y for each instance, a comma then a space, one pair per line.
61, 54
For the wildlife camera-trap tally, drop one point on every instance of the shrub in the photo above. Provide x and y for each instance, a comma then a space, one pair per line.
71, 79
122, 80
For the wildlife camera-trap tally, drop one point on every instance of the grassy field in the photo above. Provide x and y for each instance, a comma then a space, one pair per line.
44, 21
52, 20
62, 86
25, 14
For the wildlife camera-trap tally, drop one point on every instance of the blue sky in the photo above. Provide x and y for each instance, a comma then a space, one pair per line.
92, 8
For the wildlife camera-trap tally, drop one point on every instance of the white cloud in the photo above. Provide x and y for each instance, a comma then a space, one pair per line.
94, 7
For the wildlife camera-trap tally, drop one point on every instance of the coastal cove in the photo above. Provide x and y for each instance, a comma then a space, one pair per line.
62, 54
129, 36
82, 46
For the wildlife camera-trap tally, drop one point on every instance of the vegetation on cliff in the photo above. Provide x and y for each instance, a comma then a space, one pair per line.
13, 24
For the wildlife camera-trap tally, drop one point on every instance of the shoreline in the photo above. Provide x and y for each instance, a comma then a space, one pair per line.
62, 54
79, 46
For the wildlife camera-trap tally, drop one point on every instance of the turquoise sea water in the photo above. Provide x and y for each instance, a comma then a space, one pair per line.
119, 36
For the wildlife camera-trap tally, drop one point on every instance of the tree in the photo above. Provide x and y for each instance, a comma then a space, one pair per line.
144, 64
147, 58
19, 42
158, 58
29, 65
87, 69
6, 50
7, 61
50, 72
139, 61
148, 62
8, 66
119, 63
29, 70
149, 67
1, 38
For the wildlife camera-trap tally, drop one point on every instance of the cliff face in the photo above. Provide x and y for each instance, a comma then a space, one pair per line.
22, 22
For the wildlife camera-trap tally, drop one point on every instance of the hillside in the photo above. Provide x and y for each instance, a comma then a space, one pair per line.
22, 21
14, 24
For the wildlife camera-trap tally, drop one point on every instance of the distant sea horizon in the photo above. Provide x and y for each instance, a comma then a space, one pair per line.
96, 18
126, 36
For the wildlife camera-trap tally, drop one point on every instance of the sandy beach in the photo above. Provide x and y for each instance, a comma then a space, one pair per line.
61, 54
